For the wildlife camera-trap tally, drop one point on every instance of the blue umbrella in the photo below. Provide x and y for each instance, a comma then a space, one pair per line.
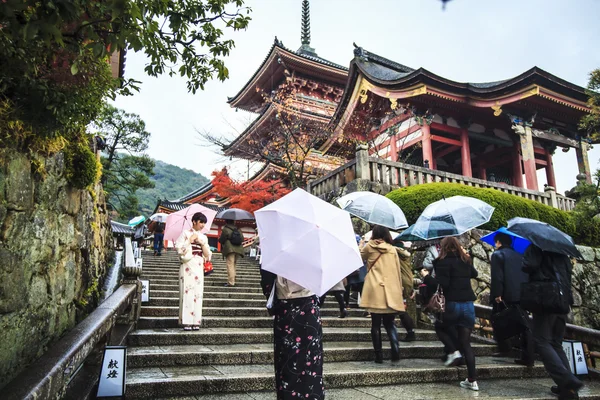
519, 244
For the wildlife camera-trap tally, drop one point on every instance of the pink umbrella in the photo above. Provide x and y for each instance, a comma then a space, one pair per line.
182, 220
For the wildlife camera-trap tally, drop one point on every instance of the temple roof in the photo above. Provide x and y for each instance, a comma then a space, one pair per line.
201, 190
389, 74
272, 72
124, 229
179, 205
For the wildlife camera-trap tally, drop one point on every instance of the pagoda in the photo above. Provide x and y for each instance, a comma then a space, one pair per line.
318, 86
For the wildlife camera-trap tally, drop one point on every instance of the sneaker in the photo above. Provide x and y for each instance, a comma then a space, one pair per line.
452, 359
343, 314
469, 385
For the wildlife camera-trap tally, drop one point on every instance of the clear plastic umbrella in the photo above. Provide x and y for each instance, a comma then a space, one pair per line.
452, 216
159, 217
374, 209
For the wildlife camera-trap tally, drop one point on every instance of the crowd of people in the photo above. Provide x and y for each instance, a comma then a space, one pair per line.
383, 284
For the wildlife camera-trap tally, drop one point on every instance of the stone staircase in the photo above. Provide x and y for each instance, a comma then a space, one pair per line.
231, 356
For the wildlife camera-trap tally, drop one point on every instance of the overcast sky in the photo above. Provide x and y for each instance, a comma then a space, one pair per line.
472, 41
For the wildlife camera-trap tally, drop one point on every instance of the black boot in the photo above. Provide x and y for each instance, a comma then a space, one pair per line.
376, 337
393, 335
410, 337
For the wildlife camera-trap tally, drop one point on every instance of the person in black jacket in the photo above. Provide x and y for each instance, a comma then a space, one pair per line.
549, 328
507, 278
453, 272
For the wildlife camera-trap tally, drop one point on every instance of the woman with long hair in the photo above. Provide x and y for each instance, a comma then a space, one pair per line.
382, 290
453, 273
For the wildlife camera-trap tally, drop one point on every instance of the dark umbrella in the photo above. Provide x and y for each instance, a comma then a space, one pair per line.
234, 214
544, 236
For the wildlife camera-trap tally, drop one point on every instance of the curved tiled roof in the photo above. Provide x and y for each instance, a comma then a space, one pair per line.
118, 227
178, 206
277, 44
197, 192
389, 74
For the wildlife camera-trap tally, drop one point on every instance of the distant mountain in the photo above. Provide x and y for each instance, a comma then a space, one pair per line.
171, 182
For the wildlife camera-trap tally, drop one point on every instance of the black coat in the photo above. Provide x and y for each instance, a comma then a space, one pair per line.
507, 275
454, 276
547, 266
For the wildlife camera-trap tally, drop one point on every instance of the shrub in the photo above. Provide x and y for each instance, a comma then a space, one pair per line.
413, 200
82, 167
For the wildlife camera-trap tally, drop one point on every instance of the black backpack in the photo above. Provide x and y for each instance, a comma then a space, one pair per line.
160, 227
236, 238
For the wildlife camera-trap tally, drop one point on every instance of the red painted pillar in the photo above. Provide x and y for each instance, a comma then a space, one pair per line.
517, 170
482, 172
550, 177
427, 146
394, 148
528, 158
465, 153
218, 236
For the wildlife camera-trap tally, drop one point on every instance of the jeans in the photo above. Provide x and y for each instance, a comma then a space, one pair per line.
548, 333
158, 242
459, 319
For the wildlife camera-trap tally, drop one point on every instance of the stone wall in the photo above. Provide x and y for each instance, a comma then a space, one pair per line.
586, 277
53, 241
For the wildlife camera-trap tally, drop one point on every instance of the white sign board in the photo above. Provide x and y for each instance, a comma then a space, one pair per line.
576, 357
113, 373
145, 291
252, 252
138, 262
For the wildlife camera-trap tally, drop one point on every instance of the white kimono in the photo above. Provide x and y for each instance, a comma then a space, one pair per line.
191, 278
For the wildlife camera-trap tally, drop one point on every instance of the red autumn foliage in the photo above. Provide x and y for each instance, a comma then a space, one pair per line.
250, 195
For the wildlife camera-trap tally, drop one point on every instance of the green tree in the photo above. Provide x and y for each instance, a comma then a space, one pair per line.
125, 166
591, 122
54, 53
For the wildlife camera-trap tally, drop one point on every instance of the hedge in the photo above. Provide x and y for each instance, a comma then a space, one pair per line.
413, 200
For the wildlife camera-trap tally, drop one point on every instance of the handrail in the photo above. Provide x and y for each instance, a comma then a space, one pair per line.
48, 377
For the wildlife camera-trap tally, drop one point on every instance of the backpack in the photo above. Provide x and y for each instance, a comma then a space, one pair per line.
160, 227
236, 238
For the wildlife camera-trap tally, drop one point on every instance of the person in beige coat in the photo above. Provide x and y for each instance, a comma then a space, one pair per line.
382, 291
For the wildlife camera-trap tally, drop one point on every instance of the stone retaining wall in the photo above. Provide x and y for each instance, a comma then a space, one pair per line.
586, 277
53, 242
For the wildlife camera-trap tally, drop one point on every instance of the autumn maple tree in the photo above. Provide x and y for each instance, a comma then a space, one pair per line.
249, 195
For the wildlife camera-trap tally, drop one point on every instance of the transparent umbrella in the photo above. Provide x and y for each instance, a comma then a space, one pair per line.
452, 216
374, 209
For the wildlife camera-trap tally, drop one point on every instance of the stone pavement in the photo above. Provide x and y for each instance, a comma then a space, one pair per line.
231, 356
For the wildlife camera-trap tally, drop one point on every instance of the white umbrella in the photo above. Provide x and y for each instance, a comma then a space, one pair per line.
159, 217
374, 208
308, 241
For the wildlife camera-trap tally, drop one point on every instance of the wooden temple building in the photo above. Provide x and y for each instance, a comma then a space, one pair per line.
493, 134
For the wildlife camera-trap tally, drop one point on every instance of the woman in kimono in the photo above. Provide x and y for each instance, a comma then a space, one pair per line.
298, 337
192, 247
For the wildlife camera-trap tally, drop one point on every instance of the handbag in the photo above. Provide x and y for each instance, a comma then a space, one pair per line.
437, 303
544, 297
208, 268
509, 322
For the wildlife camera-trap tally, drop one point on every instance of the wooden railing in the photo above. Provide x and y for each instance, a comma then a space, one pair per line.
71, 366
396, 174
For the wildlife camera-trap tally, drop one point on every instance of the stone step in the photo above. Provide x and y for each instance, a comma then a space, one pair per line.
210, 301
165, 311
262, 353
210, 278
235, 289
151, 382
153, 322
175, 271
224, 336
494, 389
211, 292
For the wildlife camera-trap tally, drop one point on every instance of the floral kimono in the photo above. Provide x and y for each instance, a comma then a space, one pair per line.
191, 277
